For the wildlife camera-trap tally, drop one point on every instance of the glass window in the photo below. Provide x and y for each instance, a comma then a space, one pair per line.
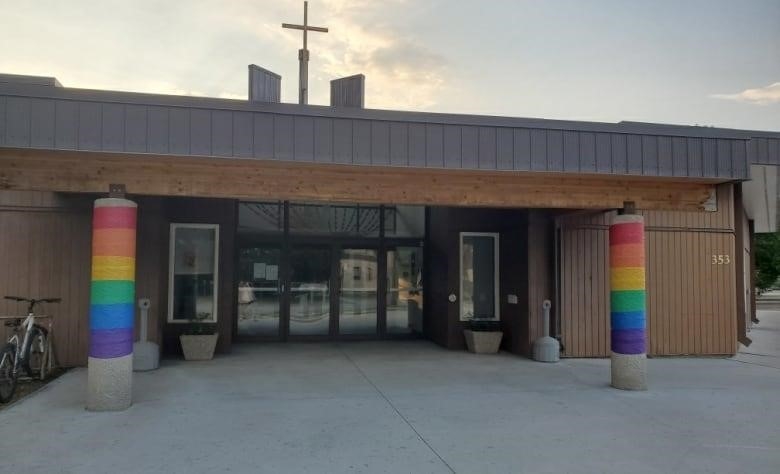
368, 221
258, 291
309, 291
193, 273
404, 221
311, 219
404, 290
357, 298
478, 276
260, 217
339, 219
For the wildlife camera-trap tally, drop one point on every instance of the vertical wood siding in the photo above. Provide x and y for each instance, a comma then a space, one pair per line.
45, 252
692, 302
540, 278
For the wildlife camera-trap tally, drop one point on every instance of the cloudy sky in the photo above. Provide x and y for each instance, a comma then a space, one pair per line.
707, 62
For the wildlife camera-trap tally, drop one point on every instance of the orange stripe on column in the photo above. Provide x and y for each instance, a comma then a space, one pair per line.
626, 255
113, 242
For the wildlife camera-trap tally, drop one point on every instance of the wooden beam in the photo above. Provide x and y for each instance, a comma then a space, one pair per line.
255, 179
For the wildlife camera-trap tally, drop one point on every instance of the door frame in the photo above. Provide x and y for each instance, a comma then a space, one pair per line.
285, 241
496, 273
259, 240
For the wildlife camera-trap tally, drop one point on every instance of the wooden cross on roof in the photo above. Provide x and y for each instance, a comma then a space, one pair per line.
303, 54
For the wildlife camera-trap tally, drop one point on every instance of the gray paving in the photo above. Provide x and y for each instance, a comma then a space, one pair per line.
765, 348
404, 407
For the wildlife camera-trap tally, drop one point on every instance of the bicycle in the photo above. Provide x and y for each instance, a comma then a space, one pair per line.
30, 355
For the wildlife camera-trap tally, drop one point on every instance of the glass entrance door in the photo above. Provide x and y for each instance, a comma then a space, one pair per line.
358, 275
328, 290
310, 284
259, 295
404, 297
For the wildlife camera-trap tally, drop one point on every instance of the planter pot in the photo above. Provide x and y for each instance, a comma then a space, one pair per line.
198, 347
483, 342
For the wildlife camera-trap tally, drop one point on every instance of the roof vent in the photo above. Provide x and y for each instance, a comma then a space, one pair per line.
29, 80
264, 85
348, 91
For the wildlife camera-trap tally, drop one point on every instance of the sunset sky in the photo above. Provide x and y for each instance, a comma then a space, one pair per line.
689, 62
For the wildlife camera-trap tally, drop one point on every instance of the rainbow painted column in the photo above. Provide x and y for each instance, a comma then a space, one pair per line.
112, 308
627, 302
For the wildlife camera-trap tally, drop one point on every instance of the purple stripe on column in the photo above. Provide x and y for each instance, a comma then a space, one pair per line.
110, 343
628, 341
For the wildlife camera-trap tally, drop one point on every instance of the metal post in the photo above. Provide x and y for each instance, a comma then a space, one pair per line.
303, 54
303, 76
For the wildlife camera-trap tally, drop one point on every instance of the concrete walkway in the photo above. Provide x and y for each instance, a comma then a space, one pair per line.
765, 348
404, 407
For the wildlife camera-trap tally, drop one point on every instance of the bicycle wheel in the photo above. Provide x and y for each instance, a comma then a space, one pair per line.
7, 376
33, 359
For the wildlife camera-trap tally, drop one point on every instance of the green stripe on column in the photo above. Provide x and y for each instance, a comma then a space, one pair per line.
112, 292
627, 300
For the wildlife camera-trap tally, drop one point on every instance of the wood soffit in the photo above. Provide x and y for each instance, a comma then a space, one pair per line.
166, 175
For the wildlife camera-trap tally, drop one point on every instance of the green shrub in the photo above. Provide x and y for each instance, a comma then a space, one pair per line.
767, 254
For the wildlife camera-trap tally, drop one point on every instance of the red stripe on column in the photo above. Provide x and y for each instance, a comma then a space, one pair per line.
626, 233
114, 218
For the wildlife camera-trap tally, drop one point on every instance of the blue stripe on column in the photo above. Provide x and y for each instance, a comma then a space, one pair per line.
111, 316
627, 320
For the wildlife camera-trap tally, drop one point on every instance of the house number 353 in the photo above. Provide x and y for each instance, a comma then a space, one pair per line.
721, 260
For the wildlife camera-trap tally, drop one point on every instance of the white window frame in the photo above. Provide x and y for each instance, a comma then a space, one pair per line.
497, 297
171, 261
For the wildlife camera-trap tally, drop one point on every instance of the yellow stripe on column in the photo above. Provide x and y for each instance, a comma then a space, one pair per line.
113, 268
627, 278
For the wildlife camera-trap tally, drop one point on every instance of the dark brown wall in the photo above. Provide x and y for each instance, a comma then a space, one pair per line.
540, 267
742, 260
151, 253
204, 211
445, 224
436, 271
513, 280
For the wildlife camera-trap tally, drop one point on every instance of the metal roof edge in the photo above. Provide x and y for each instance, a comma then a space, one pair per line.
148, 99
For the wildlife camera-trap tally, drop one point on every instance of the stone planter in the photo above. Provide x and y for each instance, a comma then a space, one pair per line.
483, 342
198, 347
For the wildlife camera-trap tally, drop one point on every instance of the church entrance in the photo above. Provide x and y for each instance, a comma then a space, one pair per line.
327, 272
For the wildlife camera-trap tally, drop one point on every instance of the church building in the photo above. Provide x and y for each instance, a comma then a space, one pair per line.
277, 222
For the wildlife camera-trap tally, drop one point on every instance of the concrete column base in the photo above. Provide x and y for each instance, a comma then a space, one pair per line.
629, 371
109, 383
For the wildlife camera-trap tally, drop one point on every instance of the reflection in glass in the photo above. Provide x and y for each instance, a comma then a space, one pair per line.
405, 221
258, 291
357, 298
339, 219
404, 290
264, 217
478, 277
309, 291
194, 269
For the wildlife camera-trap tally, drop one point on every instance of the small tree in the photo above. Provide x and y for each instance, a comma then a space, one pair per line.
767, 254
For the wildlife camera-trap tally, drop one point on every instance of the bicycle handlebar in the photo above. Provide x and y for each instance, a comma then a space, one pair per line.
33, 301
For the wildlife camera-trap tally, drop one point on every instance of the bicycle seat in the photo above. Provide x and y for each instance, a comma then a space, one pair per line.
13, 323
49, 300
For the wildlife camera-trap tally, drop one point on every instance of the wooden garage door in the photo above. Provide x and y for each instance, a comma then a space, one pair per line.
691, 282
